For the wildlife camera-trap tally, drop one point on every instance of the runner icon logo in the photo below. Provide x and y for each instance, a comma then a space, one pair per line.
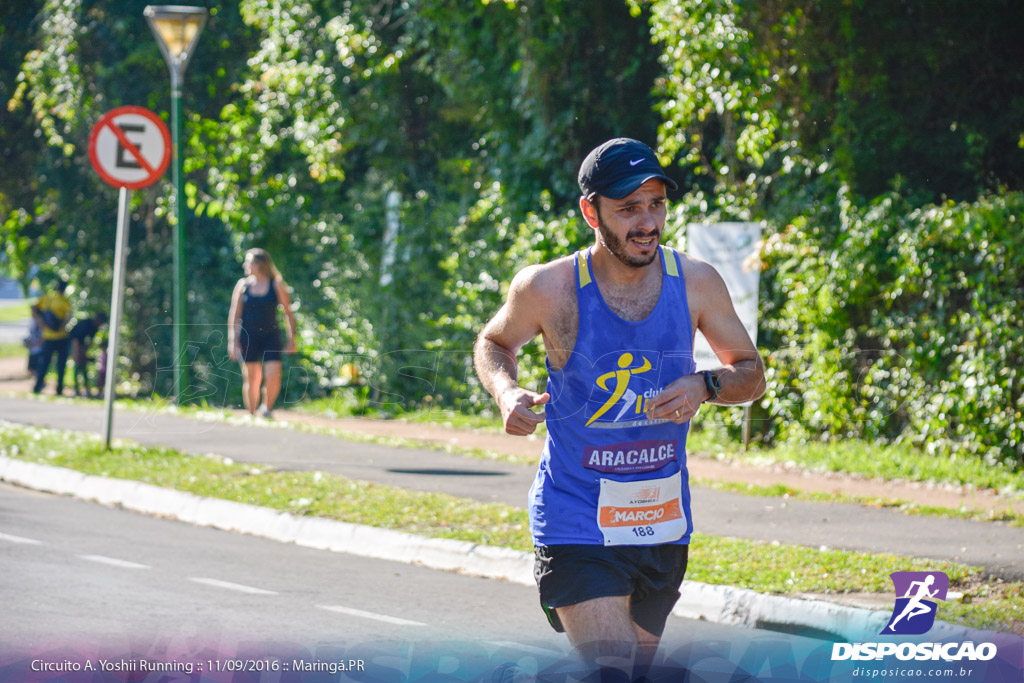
916, 592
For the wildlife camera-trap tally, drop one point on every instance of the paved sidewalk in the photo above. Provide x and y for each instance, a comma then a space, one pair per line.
994, 545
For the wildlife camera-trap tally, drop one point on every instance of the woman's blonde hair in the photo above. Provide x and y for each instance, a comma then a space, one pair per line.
261, 258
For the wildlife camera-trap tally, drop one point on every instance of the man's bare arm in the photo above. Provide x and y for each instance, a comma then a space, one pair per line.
742, 372
235, 321
495, 356
496, 366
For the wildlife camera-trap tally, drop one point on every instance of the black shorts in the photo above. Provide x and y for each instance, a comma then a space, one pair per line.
651, 575
260, 347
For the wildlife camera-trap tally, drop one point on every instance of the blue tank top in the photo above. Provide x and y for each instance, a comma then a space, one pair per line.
609, 475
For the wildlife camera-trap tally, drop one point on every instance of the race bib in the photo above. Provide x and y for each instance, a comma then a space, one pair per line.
646, 512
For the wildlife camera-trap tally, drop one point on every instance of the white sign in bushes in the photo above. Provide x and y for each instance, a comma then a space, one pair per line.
732, 248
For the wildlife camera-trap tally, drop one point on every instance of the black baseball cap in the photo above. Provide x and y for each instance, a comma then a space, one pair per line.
616, 168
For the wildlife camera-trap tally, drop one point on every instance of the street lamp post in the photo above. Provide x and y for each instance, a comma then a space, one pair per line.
177, 30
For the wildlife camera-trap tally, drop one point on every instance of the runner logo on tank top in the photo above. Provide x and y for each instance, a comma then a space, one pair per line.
621, 396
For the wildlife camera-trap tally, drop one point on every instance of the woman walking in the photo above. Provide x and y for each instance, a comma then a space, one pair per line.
254, 337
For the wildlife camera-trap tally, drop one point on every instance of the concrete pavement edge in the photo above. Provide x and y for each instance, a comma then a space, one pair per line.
715, 603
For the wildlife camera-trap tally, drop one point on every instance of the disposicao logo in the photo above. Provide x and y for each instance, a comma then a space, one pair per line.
914, 614
915, 608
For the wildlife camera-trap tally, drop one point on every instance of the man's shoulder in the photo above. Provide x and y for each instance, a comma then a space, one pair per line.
545, 279
697, 272
543, 291
705, 288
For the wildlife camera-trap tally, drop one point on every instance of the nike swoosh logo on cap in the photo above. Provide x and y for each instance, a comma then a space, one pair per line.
634, 163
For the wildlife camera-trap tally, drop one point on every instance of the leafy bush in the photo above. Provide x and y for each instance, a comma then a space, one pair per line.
908, 328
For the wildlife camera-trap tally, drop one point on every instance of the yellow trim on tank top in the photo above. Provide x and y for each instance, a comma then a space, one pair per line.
671, 267
581, 259
667, 255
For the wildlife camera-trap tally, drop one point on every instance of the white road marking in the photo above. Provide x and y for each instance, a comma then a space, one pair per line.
19, 539
232, 586
527, 648
370, 615
114, 562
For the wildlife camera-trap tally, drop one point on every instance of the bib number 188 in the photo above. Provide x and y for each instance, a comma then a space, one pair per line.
643, 531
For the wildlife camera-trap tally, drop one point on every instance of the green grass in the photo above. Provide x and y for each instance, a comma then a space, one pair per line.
772, 568
13, 350
301, 493
15, 312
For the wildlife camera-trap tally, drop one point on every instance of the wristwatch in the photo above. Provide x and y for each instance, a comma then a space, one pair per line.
713, 384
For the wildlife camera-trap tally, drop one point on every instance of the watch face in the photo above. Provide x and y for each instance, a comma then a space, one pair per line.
713, 383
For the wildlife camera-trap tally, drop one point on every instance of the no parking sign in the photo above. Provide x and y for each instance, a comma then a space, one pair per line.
130, 147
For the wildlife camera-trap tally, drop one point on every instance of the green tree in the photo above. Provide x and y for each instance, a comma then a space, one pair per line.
805, 116
845, 126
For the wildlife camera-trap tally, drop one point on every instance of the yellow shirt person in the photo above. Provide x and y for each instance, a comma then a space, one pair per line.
52, 312
59, 309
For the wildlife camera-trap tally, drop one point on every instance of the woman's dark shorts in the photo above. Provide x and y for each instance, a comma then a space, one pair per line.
260, 346
650, 575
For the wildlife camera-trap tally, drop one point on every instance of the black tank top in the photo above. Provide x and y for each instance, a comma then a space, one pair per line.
259, 313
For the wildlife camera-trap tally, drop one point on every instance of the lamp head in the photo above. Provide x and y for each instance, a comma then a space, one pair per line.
177, 30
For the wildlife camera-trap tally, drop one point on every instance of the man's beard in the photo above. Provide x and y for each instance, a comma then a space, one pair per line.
619, 247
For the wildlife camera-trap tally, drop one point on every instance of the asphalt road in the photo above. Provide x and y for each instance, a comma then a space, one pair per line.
994, 545
85, 581
72, 567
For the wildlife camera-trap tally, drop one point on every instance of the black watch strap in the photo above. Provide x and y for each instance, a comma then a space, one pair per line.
713, 384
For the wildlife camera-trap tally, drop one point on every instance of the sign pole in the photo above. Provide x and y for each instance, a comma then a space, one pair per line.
746, 427
116, 303
130, 148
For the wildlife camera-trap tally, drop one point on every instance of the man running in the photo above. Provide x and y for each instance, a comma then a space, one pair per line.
610, 505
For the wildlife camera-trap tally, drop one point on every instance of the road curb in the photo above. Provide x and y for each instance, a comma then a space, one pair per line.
715, 603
